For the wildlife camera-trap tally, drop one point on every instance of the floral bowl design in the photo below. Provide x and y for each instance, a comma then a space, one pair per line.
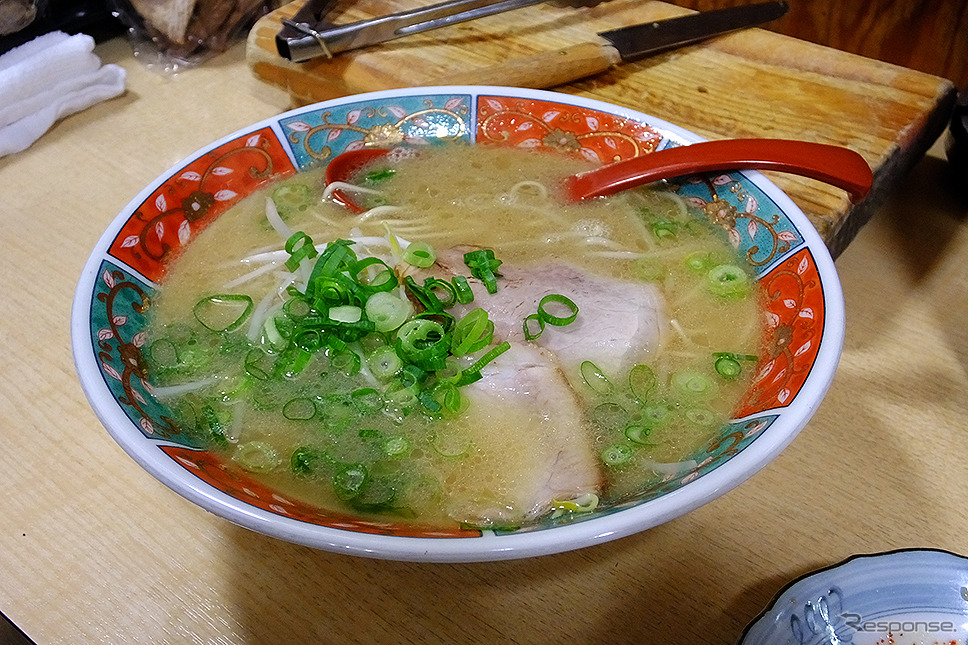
905, 597
805, 308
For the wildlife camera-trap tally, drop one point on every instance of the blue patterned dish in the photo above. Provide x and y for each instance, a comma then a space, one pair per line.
908, 597
804, 308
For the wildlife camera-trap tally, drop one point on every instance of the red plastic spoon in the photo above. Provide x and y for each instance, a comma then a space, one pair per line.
840, 167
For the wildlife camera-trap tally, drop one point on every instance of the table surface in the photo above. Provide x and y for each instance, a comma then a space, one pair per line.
94, 550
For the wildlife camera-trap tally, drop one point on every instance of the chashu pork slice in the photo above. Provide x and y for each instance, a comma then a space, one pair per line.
528, 445
620, 322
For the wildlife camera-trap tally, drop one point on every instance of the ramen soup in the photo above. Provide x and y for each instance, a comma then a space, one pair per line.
467, 351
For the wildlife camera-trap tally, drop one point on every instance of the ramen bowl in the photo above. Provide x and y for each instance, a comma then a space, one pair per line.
804, 311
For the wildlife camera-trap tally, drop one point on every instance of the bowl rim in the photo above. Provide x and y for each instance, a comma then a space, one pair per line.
642, 516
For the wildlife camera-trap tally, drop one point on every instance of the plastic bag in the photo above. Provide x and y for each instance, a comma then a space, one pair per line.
174, 34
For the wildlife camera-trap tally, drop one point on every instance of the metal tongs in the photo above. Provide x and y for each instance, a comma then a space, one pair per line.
308, 35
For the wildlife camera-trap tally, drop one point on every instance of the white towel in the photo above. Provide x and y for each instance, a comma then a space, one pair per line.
47, 79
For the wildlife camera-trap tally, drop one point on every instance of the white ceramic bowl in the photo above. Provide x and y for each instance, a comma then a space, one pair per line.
908, 597
805, 308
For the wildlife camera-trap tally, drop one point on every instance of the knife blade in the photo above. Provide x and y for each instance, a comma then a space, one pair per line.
626, 44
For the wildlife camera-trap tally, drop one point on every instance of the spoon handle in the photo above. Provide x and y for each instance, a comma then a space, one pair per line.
834, 165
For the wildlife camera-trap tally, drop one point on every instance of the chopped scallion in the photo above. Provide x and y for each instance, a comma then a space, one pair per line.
462, 289
299, 247
223, 312
638, 433
419, 254
387, 311
617, 455
642, 381
299, 409
728, 281
256, 456
595, 378
484, 266
533, 326
728, 365
693, 384
555, 301
472, 333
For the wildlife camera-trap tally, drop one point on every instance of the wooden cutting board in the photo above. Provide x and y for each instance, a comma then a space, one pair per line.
749, 83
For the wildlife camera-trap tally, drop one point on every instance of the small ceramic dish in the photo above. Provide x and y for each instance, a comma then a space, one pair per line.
804, 309
907, 597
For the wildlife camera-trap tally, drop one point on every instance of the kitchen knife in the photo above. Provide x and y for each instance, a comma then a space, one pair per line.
548, 69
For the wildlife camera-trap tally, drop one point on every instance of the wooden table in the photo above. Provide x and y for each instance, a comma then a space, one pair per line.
94, 550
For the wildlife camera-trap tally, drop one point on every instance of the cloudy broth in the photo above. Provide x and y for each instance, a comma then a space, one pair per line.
331, 428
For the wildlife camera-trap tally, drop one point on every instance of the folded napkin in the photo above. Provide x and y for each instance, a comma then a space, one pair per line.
46, 79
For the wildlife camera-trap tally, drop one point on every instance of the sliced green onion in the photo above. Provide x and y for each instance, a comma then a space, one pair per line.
366, 400
665, 229
163, 353
396, 446
463, 290
533, 326
426, 297
376, 176
699, 262
428, 401
441, 288
290, 199
594, 378
300, 247
617, 455
702, 417
384, 363
346, 361
346, 314
694, 384
299, 409
256, 456
642, 380
258, 364
309, 339
550, 301
728, 365
638, 433
655, 416
419, 254
451, 398
349, 481
472, 333
411, 375
387, 311
384, 279
424, 343
484, 266
582, 504
473, 373
222, 312
400, 396
450, 443
305, 461
609, 416
214, 424
336, 257
297, 307
728, 281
